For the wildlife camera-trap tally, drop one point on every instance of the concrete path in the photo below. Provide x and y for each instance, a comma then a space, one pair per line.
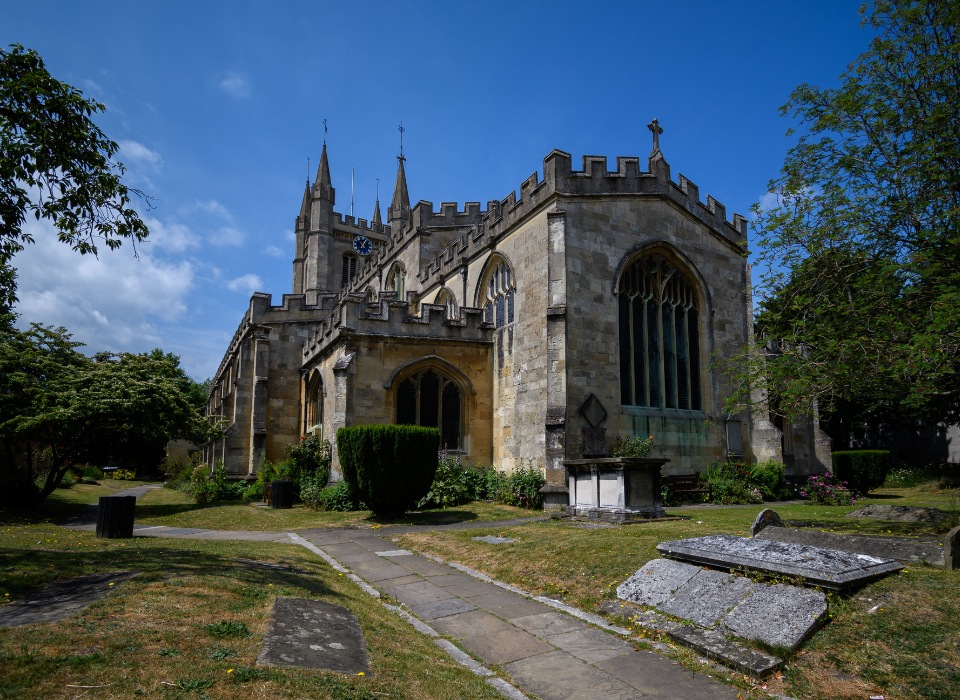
548, 649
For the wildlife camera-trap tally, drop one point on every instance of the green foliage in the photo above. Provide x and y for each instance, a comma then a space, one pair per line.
862, 247
252, 491
454, 484
56, 164
771, 478
338, 497
863, 470
227, 628
124, 475
731, 483
211, 488
311, 460
523, 487
390, 467
636, 446
827, 490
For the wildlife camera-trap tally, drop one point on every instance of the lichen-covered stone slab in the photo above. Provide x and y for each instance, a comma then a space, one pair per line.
314, 634
707, 597
779, 615
817, 566
656, 581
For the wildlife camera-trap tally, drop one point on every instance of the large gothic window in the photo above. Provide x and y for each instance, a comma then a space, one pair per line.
498, 303
659, 336
432, 399
349, 270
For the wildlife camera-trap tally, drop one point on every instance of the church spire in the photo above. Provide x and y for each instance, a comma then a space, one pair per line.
400, 206
305, 204
377, 221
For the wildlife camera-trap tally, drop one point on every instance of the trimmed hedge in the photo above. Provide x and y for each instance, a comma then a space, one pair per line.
862, 470
388, 467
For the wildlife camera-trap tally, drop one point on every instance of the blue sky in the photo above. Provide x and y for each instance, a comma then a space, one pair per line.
218, 106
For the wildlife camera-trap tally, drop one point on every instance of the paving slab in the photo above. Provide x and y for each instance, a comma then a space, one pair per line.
558, 676
436, 609
590, 644
657, 677
508, 606
707, 597
829, 568
656, 581
491, 639
418, 593
62, 599
423, 566
779, 615
548, 624
314, 634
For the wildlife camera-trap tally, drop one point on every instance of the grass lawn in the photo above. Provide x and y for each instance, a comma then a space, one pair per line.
899, 637
150, 637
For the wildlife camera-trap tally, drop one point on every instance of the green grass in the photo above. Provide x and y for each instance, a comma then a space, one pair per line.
907, 648
191, 624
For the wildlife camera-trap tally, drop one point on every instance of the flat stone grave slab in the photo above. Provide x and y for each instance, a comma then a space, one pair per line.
707, 597
314, 634
778, 615
493, 539
906, 550
61, 599
829, 568
656, 581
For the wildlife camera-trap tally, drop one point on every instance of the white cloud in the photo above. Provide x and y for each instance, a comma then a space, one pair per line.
235, 84
135, 152
210, 206
173, 237
248, 284
275, 251
227, 236
115, 302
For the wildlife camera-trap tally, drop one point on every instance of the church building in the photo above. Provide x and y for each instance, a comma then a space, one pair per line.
537, 329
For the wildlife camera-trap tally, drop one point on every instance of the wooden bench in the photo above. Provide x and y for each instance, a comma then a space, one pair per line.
680, 484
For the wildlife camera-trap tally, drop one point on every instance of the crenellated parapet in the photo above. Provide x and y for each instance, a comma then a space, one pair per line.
593, 180
390, 318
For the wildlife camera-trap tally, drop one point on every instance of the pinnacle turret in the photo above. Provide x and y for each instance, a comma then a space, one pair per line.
323, 185
377, 221
400, 206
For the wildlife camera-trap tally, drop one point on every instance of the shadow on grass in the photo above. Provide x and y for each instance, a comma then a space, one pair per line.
427, 517
28, 570
870, 526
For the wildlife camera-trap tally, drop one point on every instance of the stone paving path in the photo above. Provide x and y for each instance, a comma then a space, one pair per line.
548, 649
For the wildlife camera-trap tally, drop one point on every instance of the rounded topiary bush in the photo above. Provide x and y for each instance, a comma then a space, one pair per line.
388, 467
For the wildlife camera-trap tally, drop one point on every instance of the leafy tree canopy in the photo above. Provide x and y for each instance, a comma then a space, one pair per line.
56, 163
862, 296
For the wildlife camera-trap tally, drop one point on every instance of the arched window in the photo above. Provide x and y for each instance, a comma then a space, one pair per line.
659, 336
396, 282
313, 413
432, 399
499, 292
445, 298
349, 270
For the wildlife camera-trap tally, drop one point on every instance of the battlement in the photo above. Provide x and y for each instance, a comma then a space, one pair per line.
390, 318
360, 226
594, 179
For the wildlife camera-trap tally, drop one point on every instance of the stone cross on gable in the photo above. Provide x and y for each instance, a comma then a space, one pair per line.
655, 127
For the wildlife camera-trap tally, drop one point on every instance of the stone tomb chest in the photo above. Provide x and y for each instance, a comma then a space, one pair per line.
618, 489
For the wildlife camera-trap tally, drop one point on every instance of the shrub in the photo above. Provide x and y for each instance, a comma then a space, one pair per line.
311, 461
495, 484
177, 470
209, 488
523, 487
66, 482
731, 483
125, 474
827, 490
253, 491
390, 467
863, 470
635, 446
771, 478
274, 471
338, 498
453, 485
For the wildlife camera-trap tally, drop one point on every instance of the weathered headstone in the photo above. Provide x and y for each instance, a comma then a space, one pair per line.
829, 568
765, 518
61, 599
951, 549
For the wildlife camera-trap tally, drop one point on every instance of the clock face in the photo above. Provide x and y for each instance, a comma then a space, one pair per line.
362, 245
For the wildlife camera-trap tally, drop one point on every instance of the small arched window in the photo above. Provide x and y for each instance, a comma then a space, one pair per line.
349, 270
396, 282
446, 299
432, 399
499, 293
313, 414
659, 336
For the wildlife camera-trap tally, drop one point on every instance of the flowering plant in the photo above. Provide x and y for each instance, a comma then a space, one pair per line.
825, 489
635, 446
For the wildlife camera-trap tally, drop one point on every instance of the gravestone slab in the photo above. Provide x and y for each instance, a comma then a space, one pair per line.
707, 597
493, 539
778, 615
314, 634
818, 566
656, 581
62, 599
906, 550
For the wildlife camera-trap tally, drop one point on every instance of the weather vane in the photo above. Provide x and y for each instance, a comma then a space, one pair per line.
401, 130
324, 132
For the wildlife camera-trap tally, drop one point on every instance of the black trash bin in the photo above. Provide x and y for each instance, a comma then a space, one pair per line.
281, 494
115, 516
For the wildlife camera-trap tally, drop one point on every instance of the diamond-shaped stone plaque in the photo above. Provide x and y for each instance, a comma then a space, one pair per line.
593, 411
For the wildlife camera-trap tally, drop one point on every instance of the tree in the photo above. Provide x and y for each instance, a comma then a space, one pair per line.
862, 293
56, 163
59, 408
